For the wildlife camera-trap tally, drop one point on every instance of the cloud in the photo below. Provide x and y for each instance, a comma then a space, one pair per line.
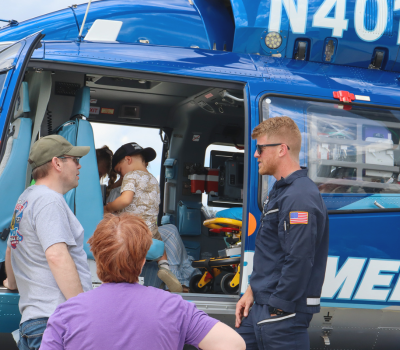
125, 139
115, 136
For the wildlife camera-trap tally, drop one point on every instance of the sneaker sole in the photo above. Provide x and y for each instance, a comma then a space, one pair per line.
171, 281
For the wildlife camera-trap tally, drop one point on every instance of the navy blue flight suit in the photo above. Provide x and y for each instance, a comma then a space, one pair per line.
289, 265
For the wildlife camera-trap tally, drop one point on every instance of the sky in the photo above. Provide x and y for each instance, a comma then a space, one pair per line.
104, 134
22, 10
115, 136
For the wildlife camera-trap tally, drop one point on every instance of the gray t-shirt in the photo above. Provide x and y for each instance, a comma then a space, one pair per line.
42, 218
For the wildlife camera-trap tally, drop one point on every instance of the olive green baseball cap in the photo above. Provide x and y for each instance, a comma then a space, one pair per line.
48, 147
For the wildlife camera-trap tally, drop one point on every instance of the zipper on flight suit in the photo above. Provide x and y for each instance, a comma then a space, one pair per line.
264, 211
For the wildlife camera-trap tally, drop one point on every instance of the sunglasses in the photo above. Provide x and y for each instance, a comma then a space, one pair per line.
260, 147
75, 159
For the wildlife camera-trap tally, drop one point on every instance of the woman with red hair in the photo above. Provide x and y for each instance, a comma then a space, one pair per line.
122, 314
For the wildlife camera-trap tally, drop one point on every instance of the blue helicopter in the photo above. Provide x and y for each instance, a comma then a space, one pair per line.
206, 72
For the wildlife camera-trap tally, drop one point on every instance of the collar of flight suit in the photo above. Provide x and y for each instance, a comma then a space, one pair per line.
293, 176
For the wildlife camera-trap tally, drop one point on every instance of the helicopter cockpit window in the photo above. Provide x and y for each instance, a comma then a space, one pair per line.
8, 55
2, 80
349, 152
7, 59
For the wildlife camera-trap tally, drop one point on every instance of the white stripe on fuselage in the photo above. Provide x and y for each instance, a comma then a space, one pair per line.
341, 284
357, 279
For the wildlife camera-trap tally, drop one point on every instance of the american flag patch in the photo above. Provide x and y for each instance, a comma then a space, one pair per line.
298, 217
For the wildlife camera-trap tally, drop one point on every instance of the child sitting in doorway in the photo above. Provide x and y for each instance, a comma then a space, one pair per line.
104, 160
140, 195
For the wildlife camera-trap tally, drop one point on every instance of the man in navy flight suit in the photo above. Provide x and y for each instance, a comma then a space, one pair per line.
291, 247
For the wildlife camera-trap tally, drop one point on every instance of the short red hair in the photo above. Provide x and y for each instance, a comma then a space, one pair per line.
119, 245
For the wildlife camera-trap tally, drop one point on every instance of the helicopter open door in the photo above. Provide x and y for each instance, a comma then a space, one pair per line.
15, 128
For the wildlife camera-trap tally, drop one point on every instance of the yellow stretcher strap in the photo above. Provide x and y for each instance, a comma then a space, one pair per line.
222, 222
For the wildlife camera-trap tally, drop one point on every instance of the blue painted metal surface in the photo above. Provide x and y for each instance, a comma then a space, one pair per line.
356, 236
172, 23
254, 19
283, 75
357, 28
155, 58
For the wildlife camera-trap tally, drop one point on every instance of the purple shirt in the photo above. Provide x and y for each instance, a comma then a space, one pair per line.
126, 316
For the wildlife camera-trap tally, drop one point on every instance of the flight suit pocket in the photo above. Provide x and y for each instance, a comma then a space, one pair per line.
271, 219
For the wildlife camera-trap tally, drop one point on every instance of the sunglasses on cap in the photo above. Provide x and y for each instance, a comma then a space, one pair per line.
260, 147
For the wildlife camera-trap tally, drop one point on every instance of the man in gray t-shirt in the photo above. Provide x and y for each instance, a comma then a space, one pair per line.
45, 256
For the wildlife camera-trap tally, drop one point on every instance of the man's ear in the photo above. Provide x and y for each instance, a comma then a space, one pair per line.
56, 164
129, 159
282, 150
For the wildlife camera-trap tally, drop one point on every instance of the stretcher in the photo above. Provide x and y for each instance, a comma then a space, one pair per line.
228, 262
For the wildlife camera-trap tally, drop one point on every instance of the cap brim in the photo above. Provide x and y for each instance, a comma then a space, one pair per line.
78, 151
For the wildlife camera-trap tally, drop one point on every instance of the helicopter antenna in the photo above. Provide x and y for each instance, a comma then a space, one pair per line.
84, 20
12, 22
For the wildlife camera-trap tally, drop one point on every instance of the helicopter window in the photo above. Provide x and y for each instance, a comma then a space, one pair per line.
2, 80
352, 152
7, 56
114, 136
230, 183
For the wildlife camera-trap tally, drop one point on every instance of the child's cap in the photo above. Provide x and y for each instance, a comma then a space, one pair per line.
130, 149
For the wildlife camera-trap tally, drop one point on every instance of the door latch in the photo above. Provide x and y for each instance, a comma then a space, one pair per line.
326, 338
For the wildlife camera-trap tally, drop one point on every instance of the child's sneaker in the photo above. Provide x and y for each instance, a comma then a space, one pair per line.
169, 279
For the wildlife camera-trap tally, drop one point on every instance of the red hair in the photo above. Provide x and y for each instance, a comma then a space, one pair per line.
119, 245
